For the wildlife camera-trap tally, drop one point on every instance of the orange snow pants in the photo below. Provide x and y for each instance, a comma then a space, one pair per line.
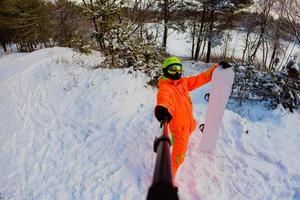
179, 150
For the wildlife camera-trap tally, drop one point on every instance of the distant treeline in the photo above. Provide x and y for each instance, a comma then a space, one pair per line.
31, 24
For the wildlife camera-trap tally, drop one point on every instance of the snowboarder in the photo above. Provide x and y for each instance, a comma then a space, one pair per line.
174, 104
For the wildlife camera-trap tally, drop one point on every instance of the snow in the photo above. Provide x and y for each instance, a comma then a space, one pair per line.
295, 67
176, 40
70, 131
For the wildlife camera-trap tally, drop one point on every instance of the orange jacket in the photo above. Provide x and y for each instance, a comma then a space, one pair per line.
174, 95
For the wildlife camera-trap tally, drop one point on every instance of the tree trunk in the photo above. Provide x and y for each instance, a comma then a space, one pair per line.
207, 60
275, 48
260, 40
199, 39
165, 37
4, 46
297, 34
226, 41
18, 47
263, 27
193, 41
271, 65
263, 54
246, 44
31, 47
209, 44
267, 54
203, 48
284, 55
100, 41
290, 54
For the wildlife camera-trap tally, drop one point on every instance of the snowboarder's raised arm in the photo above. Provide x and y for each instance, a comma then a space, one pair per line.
204, 77
201, 79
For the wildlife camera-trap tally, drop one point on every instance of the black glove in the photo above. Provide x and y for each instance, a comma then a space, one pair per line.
224, 65
162, 114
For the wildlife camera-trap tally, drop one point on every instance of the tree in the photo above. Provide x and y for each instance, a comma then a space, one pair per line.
8, 22
200, 37
264, 8
276, 35
212, 19
122, 42
139, 13
32, 24
292, 13
216, 9
168, 9
249, 23
105, 15
68, 22
166, 20
89, 9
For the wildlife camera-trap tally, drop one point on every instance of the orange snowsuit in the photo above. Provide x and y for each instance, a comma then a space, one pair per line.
174, 95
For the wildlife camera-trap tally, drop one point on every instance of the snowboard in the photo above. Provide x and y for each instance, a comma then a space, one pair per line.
221, 85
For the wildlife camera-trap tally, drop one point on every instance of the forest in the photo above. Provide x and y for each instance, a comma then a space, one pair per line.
134, 33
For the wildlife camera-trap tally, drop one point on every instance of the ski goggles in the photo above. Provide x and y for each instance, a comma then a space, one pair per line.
173, 69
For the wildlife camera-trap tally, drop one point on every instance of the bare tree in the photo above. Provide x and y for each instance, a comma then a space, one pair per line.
166, 20
168, 8
200, 37
264, 8
249, 24
139, 12
216, 24
293, 16
210, 35
277, 34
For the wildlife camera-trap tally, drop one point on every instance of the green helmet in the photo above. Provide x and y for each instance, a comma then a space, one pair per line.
170, 61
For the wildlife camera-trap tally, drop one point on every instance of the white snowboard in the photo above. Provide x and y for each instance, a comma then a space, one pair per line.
222, 80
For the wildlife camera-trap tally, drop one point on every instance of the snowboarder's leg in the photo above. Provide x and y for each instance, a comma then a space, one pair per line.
179, 150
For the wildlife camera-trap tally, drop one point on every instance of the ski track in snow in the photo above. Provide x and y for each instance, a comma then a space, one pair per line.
71, 132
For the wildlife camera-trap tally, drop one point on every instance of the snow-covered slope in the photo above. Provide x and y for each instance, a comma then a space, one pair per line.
69, 131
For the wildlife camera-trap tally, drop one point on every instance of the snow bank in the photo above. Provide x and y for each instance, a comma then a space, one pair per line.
68, 131
253, 160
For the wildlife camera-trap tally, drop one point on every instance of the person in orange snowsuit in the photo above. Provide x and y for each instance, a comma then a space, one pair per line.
174, 105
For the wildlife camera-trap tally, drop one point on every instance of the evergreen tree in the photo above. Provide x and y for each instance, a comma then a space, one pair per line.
8, 22
33, 24
122, 41
106, 16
